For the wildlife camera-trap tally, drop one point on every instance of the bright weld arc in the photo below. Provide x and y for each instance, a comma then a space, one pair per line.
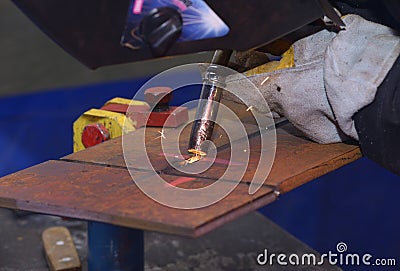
216, 160
193, 159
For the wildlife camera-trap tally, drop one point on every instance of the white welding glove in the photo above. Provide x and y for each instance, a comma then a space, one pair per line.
335, 75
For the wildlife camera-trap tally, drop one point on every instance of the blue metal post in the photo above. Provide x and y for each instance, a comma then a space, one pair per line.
114, 248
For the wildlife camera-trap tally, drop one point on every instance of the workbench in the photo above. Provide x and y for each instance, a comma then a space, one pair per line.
95, 185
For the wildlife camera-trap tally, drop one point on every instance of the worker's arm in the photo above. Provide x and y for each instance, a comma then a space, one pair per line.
378, 124
335, 76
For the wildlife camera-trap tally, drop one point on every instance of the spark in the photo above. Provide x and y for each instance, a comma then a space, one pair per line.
250, 108
265, 80
244, 150
162, 135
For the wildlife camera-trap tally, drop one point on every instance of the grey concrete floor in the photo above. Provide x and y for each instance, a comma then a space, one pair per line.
233, 247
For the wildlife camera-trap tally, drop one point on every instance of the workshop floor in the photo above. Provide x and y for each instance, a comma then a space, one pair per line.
232, 247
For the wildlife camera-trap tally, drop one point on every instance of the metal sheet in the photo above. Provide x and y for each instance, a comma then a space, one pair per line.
95, 185
108, 195
110, 152
297, 160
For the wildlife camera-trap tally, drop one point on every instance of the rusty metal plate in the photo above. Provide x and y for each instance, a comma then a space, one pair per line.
297, 160
110, 152
94, 184
106, 194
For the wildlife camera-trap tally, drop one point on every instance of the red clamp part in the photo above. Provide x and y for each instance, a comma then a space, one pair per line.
94, 134
162, 114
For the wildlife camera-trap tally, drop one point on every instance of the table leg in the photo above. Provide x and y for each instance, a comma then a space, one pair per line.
114, 248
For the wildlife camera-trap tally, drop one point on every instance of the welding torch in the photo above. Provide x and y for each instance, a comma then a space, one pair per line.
207, 108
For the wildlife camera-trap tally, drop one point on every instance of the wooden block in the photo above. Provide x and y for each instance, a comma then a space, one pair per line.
60, 251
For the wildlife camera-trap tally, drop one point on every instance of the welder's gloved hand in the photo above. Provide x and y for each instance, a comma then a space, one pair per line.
335, 75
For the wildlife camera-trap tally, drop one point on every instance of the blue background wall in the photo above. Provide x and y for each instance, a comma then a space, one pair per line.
357, 204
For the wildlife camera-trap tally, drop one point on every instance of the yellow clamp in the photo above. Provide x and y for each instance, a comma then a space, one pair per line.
116, 124
287, 61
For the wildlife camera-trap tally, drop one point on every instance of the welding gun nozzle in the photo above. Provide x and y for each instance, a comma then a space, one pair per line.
207, 108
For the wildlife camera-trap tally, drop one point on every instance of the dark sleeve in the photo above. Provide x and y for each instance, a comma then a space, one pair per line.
378, 124
386, 12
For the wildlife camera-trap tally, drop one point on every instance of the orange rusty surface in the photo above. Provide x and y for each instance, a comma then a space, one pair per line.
110, 152
94, 184
297, 159
109, 195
